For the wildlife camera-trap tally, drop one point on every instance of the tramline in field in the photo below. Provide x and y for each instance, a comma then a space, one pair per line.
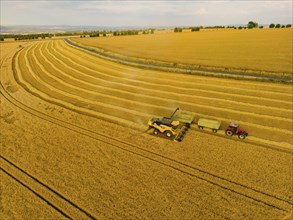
176, 126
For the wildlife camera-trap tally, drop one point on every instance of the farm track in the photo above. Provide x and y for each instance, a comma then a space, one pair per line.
105, 93
264, 198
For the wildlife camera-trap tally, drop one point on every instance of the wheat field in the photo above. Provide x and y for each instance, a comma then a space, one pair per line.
66, 76
74, 145
263, 50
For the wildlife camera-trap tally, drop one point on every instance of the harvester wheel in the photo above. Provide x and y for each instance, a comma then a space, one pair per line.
169, 134
200, 127
215, 130
156, 132
229, 133
241, 136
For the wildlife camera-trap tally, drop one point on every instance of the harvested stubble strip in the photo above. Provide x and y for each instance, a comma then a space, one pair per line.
231, 91
49, 93
262, 111
92, 99
135, 93
137, 106
208, 81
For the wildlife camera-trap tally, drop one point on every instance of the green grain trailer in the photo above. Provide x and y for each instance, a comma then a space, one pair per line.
207, 123
183, 116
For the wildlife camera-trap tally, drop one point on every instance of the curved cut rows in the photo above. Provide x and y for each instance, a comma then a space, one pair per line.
85, 83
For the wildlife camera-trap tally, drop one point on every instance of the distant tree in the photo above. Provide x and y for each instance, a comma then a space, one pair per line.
176, 29
239, 27
252, 24
283, 26
278, 26
2, 39
288, 25
195, 29
261, 27
272, 26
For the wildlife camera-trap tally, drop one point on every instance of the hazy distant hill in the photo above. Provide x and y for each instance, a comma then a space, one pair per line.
23, 29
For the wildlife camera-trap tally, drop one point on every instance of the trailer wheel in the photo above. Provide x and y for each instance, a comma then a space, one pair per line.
215, 130
169, 134
229, 133
241, 136
156, 132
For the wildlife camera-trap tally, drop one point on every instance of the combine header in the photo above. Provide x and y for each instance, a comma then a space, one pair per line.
175, 126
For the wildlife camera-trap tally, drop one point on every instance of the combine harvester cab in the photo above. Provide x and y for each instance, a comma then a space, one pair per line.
175, 126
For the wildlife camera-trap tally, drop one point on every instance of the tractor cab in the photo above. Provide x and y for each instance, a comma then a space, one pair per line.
234, 128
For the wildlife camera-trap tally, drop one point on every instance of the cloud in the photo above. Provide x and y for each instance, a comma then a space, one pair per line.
201, 11
127, 13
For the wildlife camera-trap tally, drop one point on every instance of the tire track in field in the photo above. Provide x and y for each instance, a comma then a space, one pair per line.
112, 66
256, 195
148, 93
54, 199
186, 90
119, 121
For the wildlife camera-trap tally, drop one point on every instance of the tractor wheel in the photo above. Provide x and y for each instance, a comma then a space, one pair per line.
241, 136
229, 133
156, 132
169, 134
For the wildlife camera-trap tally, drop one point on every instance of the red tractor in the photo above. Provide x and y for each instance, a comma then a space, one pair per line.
235, 129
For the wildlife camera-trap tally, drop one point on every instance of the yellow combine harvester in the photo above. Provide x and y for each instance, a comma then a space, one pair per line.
174, 127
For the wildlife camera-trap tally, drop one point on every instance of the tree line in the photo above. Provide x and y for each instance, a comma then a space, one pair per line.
250, 25
26, 36
118, 33
280, 26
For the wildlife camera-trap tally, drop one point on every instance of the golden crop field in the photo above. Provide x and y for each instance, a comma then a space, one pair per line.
257, 49
73, 141
77, 80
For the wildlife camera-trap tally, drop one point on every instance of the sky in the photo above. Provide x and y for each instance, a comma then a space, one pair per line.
145, 13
